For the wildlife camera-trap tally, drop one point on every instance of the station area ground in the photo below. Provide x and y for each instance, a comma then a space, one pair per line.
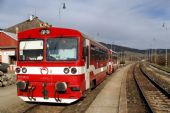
8, 98
112, 98
9, 102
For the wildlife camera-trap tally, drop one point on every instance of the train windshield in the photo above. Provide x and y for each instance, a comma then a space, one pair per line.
62, 49
31, 50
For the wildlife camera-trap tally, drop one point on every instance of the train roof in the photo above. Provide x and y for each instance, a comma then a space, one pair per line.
86, 36
61, 32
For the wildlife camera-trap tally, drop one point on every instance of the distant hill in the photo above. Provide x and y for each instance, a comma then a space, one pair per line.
118, 48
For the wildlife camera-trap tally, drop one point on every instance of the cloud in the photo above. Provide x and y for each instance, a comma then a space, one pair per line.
2, 3
132, 23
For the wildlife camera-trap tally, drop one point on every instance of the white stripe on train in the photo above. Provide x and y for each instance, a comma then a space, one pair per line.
60, 70
51, 100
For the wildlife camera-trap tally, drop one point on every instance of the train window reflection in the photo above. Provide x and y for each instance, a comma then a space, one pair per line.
31, 50
62, 49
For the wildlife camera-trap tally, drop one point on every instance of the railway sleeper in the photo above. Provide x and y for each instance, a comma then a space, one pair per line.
160, 106
162, 109
158, 97
158, 103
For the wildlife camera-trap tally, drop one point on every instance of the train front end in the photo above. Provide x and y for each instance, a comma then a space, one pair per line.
50, 67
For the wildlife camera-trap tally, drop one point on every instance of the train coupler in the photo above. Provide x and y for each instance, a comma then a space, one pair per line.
45, 91
57, 96
30, 93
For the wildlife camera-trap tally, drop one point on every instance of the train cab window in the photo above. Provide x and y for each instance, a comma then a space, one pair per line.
31, 50
62, 49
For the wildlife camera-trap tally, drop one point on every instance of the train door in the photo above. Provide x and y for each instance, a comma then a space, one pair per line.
87, 63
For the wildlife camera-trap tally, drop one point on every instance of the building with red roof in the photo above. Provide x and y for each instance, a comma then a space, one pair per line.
8, 38
8, 43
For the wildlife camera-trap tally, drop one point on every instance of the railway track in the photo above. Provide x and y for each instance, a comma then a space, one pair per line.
160, 80
160, 69
135, 102
29, 108
154, 95
44, 108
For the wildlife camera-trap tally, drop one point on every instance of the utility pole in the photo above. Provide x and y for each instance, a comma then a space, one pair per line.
114, 46
154, 41
152, 55
148, 55
166, 58
155, 56
166, 50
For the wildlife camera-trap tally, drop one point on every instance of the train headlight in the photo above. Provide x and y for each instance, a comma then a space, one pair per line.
17, 70
45, 32
61, 86
22, 85
24, 70
73, 70
66, 70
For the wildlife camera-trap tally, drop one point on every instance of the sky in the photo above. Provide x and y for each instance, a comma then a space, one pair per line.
139, 24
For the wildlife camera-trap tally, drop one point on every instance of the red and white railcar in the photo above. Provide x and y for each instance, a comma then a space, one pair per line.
58, 65
112, 61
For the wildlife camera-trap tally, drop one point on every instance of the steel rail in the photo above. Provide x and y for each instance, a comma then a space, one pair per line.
157, 85
148, 95
148, 105
30, 108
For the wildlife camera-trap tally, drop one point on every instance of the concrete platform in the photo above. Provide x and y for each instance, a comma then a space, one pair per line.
109, 99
